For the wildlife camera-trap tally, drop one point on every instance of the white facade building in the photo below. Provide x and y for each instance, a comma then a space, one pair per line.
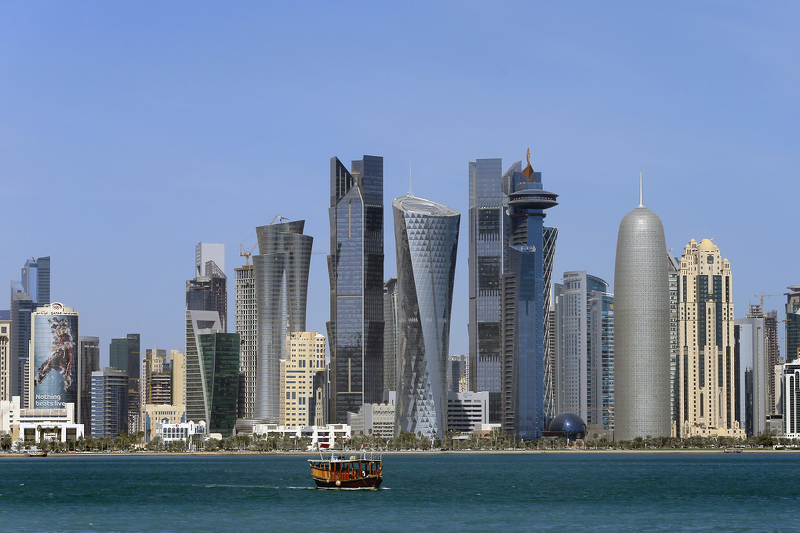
322, 437
467, 411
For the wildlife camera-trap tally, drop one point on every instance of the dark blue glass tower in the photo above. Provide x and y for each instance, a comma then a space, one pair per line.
530, 247
355, 331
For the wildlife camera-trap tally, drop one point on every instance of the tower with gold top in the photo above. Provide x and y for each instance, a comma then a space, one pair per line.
525, 303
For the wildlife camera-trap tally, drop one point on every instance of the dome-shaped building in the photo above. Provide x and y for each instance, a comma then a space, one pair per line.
568, 425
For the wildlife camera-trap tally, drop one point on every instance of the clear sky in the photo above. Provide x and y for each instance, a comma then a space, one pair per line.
129, 132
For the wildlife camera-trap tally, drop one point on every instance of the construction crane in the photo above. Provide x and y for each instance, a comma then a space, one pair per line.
246, 254
279, 218
762, 299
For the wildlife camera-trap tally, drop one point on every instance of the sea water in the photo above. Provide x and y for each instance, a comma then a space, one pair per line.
421, 492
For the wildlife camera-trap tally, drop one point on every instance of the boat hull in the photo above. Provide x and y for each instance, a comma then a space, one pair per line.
352, 473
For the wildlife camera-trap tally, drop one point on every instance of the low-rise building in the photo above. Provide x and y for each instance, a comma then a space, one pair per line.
373, 419
154, 414
322, 437
34, 425
467, 411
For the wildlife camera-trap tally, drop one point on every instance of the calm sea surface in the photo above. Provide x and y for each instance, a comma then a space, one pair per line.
441, 492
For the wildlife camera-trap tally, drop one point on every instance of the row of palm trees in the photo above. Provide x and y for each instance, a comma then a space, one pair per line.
495, 440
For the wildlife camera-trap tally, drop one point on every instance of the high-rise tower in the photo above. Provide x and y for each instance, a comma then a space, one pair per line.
525, 304
705, 331
355, 331
487, 250
246, 320
577, 372
31, 292
281, 276
426, 238
208, 290
641, 328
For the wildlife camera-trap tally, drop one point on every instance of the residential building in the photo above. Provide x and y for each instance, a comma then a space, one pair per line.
426, 237
281, 273
304, 362
641, 328
177, 370
773, 359
577, 380
355, 263
246, 319
601, 357
529, 249
156, 378
705, 328
109, 402
673, 273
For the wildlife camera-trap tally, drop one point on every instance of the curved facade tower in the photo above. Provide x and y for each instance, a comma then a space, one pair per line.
281, 277
426, 237
641, 328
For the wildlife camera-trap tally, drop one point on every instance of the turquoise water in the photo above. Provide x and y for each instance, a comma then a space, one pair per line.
441, 492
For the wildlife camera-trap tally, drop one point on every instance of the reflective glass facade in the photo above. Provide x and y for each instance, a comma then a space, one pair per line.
355, 331
219, 364
530, 249
197, 322
281, 277
426, 237
109, 402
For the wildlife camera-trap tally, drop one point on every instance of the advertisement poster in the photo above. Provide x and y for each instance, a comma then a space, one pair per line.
55, 346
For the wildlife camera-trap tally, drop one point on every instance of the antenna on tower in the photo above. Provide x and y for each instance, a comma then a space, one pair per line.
410, 186
641, 204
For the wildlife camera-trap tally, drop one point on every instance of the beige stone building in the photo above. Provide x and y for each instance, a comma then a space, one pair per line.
5, 360
707, 396
305, 361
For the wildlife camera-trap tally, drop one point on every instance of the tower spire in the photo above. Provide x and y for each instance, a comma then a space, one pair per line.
641, 204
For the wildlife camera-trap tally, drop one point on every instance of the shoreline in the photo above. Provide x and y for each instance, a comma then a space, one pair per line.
398, 452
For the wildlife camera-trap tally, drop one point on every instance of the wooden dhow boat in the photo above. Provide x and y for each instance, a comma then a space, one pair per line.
347, 472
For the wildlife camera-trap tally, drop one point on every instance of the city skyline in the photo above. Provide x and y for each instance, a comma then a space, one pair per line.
167, 112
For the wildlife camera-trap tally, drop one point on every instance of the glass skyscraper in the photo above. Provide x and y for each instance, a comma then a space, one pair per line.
355, 331
219, 366
281, 277
31, 292
426, 239
487, 253
525, 304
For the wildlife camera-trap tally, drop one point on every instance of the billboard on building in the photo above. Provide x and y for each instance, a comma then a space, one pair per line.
55, 360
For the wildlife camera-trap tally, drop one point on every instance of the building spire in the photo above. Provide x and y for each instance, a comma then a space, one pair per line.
641, 204
410, 186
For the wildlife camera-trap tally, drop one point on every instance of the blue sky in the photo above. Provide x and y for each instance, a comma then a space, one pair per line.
129, 132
